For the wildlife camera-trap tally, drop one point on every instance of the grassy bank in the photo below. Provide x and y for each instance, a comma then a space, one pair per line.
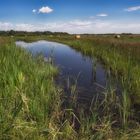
27, 93
33, 107
120, 56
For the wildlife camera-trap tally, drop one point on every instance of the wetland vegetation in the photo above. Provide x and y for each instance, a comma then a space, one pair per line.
32, 106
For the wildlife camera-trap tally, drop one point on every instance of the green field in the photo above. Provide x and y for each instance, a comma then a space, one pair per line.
32, 105
121, 56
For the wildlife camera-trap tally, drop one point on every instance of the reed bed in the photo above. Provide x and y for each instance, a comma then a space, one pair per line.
33, 107
121, 56
27, 93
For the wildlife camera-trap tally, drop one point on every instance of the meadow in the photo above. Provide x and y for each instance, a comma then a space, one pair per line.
32, 106
120, 57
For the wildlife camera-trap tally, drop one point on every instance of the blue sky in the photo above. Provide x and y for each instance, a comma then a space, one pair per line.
73, 16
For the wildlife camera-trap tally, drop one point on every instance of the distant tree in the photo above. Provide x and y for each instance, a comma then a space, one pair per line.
11, 32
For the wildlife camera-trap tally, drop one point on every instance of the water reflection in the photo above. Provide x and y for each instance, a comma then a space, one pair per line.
71, 63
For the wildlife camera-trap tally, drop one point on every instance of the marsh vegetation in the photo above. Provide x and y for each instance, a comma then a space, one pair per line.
32, 106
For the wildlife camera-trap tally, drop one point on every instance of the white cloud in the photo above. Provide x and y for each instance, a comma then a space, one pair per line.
45, 10
77, 26
130, 9
79, 23
34, 10
6, 26
92, 17
102, 15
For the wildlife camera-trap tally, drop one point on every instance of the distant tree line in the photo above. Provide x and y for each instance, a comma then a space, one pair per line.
24, 33
36, 33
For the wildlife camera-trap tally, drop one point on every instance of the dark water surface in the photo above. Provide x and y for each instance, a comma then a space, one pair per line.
90, 74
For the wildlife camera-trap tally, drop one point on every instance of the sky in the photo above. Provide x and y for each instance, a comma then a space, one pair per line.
72, 16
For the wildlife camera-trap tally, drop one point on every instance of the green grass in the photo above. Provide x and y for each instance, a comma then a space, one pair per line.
32, 107
121, 56
27, 93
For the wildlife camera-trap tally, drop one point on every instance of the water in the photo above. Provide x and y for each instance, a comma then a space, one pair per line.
89, 73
